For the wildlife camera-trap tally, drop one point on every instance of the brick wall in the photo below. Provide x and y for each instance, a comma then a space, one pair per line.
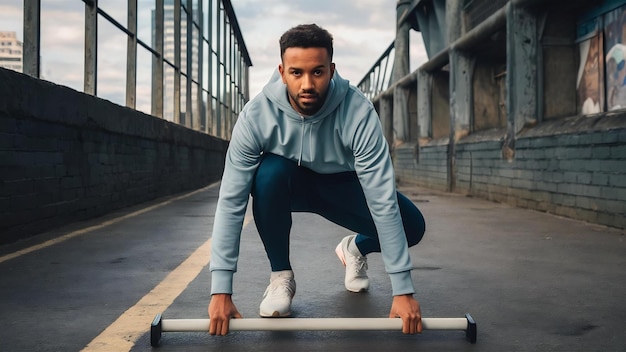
66, 156
573, 167
426, 167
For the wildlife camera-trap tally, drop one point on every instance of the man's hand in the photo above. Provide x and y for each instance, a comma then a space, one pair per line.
407, 308
221, 310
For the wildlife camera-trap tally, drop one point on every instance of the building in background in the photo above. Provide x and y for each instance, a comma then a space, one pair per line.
10, 51
169, 50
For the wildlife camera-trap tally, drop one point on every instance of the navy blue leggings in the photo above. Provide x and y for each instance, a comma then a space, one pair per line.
282, 187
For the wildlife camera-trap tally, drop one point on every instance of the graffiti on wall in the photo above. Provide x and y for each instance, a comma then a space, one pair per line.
601, 81
615, 58
590, 83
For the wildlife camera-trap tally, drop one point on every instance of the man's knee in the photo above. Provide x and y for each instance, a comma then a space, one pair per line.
414, 223
273, 171
414, 237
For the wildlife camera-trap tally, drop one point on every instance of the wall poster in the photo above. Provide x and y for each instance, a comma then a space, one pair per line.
590, 80
615, 55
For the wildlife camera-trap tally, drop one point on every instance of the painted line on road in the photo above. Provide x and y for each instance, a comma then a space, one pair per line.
85, 230
122, 334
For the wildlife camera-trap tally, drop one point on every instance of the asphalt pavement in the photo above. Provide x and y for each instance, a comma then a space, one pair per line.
531, 280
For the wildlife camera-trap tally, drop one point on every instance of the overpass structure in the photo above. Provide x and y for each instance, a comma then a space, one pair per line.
520, 102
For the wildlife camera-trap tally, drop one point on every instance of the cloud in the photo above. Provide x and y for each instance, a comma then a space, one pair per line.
362, 30
11, 15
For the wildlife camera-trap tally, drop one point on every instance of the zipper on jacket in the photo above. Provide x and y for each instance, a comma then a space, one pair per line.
301, 140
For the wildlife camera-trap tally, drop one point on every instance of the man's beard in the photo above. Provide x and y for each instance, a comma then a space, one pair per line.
309, 108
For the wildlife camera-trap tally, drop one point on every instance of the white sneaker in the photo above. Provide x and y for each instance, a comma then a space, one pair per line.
356, 266
277, 297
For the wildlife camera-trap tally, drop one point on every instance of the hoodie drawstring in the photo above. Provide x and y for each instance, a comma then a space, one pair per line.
301, 140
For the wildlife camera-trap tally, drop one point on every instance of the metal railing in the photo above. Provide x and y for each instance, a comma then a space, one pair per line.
378, 78
183, 60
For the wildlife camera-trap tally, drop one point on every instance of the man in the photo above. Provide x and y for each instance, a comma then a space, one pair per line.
310, 142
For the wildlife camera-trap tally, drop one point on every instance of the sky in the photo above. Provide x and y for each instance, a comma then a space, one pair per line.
362, 30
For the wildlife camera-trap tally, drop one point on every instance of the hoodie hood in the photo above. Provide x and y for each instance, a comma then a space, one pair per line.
276, 91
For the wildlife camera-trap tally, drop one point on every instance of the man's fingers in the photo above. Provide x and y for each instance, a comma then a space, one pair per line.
410, 324
225, 326
212, 327
221, 327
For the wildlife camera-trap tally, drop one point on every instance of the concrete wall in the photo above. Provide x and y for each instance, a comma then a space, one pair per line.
573, 167
67, 156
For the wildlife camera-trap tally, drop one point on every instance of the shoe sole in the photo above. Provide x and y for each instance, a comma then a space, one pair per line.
339, 252
275, 314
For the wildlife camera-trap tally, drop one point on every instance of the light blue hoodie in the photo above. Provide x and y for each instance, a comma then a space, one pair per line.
344, 135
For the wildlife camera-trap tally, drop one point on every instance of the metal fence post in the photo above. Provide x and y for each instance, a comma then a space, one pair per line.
31, 50
131, 56
91, 46
177, 63
157, 60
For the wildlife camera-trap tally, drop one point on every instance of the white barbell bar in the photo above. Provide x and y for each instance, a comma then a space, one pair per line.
160, 325
296, 324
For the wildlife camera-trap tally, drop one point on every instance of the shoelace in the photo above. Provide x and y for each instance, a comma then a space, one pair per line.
280, 285
360, 264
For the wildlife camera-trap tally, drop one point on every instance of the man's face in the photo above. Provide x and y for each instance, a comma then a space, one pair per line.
307, 73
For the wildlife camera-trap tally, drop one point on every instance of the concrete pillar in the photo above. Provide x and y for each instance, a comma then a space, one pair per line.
400, 115
386, 115
424, 105
400, 69
521, 78
431, 19
460, 86
454, 23
461, 69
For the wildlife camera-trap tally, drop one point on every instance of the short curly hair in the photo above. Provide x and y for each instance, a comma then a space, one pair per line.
307, 36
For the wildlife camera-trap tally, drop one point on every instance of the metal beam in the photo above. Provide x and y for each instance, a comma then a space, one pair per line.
31, 62
189, 65
91, 47
200, 62
177, 61
157, 61
131, 56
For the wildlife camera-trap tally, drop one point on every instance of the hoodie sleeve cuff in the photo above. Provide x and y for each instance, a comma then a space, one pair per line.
401, 283
222, 281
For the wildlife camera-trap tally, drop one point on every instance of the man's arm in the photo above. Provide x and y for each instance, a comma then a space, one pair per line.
242, 160
375, 170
